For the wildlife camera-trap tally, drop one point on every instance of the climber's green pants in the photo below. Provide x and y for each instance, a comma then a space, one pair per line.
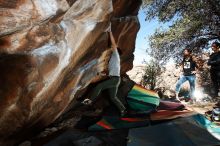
112, 87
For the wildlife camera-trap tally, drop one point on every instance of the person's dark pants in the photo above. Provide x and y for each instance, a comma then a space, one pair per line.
112, 86
215, 77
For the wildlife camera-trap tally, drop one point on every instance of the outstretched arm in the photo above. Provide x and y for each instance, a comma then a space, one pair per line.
113, 43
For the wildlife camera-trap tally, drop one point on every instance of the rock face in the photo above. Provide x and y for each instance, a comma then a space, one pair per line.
136, 74
50, 50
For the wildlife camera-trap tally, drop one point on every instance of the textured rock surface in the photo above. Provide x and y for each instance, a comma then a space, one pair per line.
136, 73
50, 50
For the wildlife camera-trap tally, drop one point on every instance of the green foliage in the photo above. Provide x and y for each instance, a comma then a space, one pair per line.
195, 23
151, 71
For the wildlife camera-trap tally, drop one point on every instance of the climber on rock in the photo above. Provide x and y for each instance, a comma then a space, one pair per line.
112, 83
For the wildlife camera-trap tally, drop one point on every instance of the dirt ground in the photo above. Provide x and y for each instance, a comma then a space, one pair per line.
200, 107
204, 108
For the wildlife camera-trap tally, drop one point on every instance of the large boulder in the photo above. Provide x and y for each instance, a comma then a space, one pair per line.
50, 50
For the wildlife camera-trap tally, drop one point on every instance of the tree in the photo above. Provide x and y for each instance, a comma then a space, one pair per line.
151, 71
195, 23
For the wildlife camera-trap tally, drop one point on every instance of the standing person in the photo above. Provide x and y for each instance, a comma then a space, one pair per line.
188, 66
214, 62
114, 79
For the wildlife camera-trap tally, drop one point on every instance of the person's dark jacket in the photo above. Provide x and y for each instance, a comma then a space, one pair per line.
214, 61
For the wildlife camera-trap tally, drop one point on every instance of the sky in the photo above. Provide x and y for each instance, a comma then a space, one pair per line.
142, 41
147, 28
